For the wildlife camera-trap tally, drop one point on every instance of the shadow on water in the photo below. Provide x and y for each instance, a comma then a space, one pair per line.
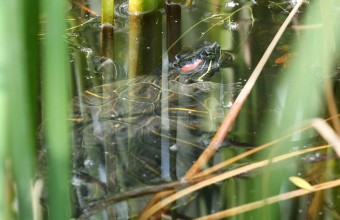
145, 131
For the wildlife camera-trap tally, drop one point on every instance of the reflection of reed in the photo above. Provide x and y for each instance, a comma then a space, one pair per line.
145, 43
107, 40
173, 13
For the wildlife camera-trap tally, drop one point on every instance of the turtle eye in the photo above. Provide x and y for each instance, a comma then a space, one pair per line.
208, 54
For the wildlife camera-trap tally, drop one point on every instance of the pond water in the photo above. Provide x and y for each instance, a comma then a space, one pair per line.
133, 131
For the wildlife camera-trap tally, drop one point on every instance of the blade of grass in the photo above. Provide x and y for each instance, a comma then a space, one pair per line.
56, 93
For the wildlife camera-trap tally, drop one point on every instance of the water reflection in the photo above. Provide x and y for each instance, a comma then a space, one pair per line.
147, 130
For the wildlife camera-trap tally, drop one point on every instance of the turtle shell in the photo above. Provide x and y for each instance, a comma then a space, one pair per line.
143, 131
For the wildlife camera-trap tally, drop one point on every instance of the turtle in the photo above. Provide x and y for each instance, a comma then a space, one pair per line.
146, 130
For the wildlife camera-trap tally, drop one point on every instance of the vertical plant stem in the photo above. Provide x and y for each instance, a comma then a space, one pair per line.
20, 130
108, 12
107, 28
56, 91
3, 108
140, 6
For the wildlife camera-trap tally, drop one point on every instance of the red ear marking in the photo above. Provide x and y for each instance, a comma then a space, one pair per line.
191, 66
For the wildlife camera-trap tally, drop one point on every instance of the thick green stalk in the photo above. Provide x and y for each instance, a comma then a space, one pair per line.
142, 6
3, 108
107, 28
56, 92
20, 130
108, 12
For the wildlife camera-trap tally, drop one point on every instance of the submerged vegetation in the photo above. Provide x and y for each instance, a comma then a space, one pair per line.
280, 136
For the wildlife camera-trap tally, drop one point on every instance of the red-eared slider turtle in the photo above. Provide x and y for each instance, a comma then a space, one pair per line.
146, 130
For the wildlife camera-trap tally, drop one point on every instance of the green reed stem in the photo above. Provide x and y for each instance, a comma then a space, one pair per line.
142, 6
108, 12
56, 93
3, 108
20, 132
107, 28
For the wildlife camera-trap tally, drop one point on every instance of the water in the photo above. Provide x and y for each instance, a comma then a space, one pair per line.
244, 29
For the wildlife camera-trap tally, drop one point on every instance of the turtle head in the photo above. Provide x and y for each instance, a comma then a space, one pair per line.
201, 62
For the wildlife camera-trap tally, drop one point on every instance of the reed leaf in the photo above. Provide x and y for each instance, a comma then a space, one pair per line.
18, 107
56, 99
